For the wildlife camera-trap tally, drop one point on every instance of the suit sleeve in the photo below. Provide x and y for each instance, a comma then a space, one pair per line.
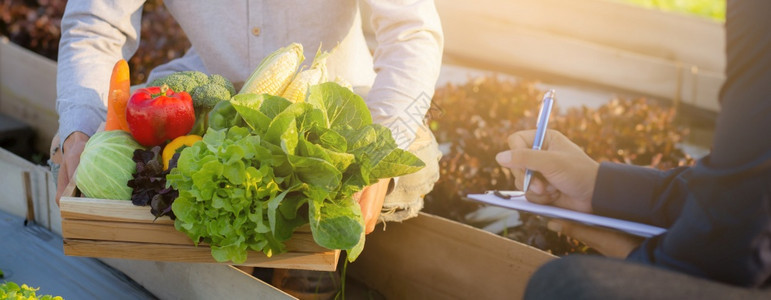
639, 194
723, 229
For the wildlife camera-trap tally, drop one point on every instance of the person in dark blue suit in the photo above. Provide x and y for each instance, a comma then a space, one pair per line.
717, 212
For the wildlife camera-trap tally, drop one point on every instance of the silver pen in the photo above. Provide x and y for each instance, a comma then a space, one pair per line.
540, 132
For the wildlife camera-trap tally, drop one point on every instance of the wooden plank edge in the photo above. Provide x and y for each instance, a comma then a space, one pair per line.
321, 261
79, 208
123, 231
107, 210
160, 234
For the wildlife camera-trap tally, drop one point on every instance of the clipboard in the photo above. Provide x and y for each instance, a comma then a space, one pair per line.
517, 201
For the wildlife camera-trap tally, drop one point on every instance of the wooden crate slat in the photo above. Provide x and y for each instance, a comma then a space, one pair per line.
123, 231
158, 234
320, 261
107, 210
78, 208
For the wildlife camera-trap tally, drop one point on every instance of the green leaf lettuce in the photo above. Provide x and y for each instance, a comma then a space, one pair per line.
250, 187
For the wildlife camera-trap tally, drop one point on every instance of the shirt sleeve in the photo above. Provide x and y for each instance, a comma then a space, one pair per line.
191, 61
95, 35
407, 62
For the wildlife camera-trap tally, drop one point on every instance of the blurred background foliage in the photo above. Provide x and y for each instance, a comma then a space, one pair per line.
36, 25
713, 9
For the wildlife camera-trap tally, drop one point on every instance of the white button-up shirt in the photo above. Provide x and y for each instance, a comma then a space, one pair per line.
231, 37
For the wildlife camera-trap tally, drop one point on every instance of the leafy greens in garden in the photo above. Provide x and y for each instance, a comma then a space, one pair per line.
293, 163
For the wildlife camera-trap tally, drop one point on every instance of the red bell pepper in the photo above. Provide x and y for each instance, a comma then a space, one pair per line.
158, 114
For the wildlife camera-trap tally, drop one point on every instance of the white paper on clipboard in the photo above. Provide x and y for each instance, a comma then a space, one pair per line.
518, 202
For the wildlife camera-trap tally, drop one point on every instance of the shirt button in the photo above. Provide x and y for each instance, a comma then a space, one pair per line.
256, 31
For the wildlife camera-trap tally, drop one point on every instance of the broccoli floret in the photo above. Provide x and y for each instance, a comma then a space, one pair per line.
207, 95
177, 82
157, 82
220, 80
198, 76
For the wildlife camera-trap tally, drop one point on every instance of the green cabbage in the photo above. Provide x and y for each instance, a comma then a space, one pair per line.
106, 165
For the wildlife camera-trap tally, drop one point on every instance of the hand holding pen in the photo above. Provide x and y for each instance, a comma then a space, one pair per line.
540, 132
566, 174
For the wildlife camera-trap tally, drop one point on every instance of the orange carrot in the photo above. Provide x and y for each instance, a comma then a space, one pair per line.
111, 123
118, 97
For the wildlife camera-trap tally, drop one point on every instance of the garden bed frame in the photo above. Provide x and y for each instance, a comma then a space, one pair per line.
612, 45
643, 51
28, 91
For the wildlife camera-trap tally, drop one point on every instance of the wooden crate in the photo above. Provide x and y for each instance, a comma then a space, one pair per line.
119, 229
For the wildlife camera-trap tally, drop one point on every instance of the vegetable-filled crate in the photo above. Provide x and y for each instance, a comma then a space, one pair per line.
118, 229
267, 176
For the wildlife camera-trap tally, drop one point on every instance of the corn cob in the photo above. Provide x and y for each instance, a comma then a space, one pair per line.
298, 88
344, 83
275, 72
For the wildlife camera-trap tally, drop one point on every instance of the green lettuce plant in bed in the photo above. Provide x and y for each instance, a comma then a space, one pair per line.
12, 291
